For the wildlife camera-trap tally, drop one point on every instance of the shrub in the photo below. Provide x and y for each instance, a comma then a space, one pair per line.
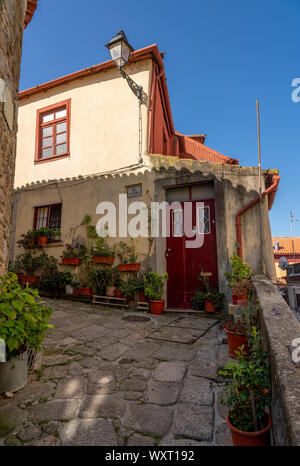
154, 285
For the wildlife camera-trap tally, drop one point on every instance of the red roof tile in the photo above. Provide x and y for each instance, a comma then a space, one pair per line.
286, 245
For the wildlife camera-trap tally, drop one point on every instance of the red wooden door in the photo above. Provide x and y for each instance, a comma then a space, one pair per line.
184, 264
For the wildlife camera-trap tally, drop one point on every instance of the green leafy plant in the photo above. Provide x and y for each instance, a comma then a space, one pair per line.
28, 240
154, 285
240, 270
207, 293
129, 287
55, 281
248, 393
126, 253
47, 233
23, 317
28, 263
75, 250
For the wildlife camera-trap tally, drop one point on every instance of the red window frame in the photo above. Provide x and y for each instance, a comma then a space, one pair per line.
65, 104
48, 207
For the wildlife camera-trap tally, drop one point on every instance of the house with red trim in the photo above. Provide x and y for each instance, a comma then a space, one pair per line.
84, 139
288, 247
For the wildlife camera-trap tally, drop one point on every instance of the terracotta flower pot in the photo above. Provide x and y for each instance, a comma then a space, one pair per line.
28, 278
235, 340
234, 299
209, 306
86, 291
260, 438
103, 259
242, 300
42, 240
70, 261
119, 294
110, 291
129, 267
157, 306
142, 297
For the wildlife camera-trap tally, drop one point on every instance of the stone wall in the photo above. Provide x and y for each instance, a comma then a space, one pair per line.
281, 327
11, 35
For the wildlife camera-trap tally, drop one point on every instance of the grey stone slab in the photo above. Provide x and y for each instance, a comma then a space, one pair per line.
131, 340
56, 372
139, 373
203, 368
56, 360
120, 333
54, 410
70, 388
197, 390
182, 442
35, 391
10, 417
75, 368
135, 396
193, 421
223, 435
142, 351
201, 323
88, 432
151, 419
101, 383
221, 409
136, 440
102, 406
223, 357
46, 441
174, 334
175, 352
169, 372
113, 352
29, 433
162, 393
134, 385
90, 333
12, 441
82, 349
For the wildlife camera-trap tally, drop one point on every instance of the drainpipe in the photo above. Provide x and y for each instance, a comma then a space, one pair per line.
271, 189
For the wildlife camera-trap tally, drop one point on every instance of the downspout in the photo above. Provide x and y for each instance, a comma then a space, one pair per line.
269, 190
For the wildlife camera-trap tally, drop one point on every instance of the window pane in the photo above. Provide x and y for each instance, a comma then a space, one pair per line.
203, 220
48, 117
55, 217
61, 127
47, 153
61, 138
47, 131
177, 223
61, 149
41, 218
61, 113
47, 142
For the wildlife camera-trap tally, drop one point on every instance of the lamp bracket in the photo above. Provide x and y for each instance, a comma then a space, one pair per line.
136, 89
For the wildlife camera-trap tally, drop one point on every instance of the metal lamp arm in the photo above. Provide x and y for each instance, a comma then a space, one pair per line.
136, 89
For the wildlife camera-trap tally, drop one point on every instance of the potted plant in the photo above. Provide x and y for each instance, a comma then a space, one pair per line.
240, 271
140, 289
112, 280
28, 240
73, 253
153, 288
56, 282
23, 323
127, 288
209, 298
43, 235
237, 332
27, 264
128, 257
242, 290
248, 395
101, 253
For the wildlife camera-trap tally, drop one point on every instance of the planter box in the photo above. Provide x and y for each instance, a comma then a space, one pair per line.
129, 267
85, 291
70, 261
103, 259
28, 278
13, 374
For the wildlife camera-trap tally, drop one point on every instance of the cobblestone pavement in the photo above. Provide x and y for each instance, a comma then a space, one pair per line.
107, 381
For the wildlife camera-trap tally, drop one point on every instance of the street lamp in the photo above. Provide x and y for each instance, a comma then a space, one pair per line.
120, 51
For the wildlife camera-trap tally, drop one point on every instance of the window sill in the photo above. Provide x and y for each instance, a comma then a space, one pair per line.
51, 159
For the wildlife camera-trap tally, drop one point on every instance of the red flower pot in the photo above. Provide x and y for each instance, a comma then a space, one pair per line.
111, 291
70, 261
85, 291
157, 306
234, 299
103, 259
119, 294
235, 340
242, 300
28, 278
42, 240
142, 297
129, 267
260, 438
209, 306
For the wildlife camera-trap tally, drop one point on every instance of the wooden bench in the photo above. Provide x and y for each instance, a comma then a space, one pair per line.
143, 306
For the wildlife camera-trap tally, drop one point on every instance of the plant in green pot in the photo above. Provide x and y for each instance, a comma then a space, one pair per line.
23, 324
248, 395
153, 288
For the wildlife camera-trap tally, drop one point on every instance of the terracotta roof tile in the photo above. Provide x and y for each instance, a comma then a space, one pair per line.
286, 245
30, 9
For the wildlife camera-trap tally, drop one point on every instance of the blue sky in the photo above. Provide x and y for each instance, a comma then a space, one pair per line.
220, 57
